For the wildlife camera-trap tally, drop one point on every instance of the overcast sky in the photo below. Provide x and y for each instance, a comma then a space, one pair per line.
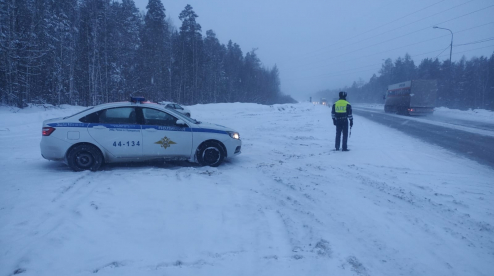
321, 44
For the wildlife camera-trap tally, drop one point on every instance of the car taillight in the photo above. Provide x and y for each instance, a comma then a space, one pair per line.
48, 130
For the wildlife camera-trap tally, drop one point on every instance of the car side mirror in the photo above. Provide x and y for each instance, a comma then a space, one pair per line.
180, 123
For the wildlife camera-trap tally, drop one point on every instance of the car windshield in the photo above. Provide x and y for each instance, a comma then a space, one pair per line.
79, 112
183, 117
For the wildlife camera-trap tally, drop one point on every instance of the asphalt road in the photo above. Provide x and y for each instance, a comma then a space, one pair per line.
436, 117
471, 145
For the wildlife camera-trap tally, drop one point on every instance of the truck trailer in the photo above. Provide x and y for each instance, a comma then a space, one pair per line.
415, 97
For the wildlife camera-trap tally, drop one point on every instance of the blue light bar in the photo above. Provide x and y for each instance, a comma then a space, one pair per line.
137, 99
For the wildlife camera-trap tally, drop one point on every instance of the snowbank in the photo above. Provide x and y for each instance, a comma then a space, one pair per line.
471, 114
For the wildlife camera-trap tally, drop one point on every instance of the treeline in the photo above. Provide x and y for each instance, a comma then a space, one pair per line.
87, 52
461, 85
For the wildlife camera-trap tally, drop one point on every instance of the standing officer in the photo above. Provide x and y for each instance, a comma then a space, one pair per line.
341, 113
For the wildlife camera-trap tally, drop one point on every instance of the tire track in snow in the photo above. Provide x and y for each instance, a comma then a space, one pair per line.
290, 211
70, 186
427, 204
430, 217
65, 205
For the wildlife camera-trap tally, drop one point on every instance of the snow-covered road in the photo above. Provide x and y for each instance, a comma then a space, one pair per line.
478, 121
288, 205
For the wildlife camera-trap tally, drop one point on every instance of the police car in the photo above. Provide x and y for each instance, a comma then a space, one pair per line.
135, 131
176, 107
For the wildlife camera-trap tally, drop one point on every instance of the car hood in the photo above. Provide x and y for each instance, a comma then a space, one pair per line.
212, 126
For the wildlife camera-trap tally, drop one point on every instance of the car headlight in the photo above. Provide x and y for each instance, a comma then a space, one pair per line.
234, 135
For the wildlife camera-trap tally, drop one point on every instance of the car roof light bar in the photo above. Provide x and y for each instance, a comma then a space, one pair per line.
137, 99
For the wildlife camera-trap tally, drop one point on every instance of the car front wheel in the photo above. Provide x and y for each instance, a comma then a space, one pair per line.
210, 154
84, 157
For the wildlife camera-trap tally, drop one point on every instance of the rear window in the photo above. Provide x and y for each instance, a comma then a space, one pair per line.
119, 115
79, 112
91, 118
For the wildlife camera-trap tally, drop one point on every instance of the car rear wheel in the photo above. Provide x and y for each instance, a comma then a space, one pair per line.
210, 154
84, 157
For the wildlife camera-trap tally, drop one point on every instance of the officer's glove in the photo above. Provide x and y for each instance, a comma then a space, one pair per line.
334, 121
351, 123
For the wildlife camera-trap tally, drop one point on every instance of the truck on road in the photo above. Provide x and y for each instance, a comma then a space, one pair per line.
415, 97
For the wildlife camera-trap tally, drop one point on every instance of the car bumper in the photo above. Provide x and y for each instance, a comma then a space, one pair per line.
53, 148
420, 110
233, 147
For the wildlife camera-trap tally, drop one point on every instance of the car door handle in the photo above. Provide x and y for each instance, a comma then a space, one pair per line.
99, 127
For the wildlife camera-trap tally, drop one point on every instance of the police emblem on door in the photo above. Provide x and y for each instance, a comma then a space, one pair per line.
165, 142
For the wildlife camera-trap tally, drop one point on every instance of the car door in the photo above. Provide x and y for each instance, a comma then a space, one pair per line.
162, 137
117, 131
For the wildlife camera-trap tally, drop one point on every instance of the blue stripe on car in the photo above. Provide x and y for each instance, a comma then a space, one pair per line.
115, 126
68, 125
209, 130
168, 128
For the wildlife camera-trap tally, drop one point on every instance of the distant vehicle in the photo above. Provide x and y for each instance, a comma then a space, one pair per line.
135, 131
413, 97
324, 101
176, 107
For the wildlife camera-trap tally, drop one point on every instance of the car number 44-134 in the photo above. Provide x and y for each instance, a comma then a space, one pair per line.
128, 144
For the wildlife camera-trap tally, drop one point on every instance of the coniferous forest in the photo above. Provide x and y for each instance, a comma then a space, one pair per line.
461, 85
87, 52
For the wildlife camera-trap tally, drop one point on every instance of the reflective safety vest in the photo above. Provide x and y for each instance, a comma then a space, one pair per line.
340, 106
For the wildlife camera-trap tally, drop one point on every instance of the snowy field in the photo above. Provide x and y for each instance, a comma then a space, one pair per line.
288, 205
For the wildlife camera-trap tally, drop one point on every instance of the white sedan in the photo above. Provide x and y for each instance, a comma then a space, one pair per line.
176, 107
135, 131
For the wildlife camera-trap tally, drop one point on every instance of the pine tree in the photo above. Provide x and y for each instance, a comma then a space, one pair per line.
233, 63
129, 23
252, 79
154, 53
190, 55
4, 46
90, 53
58, 38
87, 52
488, 97
214, 72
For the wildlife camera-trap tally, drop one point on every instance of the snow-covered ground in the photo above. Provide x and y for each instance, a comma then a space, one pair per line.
288, 205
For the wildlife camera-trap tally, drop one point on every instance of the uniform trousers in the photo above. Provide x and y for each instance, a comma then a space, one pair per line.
341, 126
